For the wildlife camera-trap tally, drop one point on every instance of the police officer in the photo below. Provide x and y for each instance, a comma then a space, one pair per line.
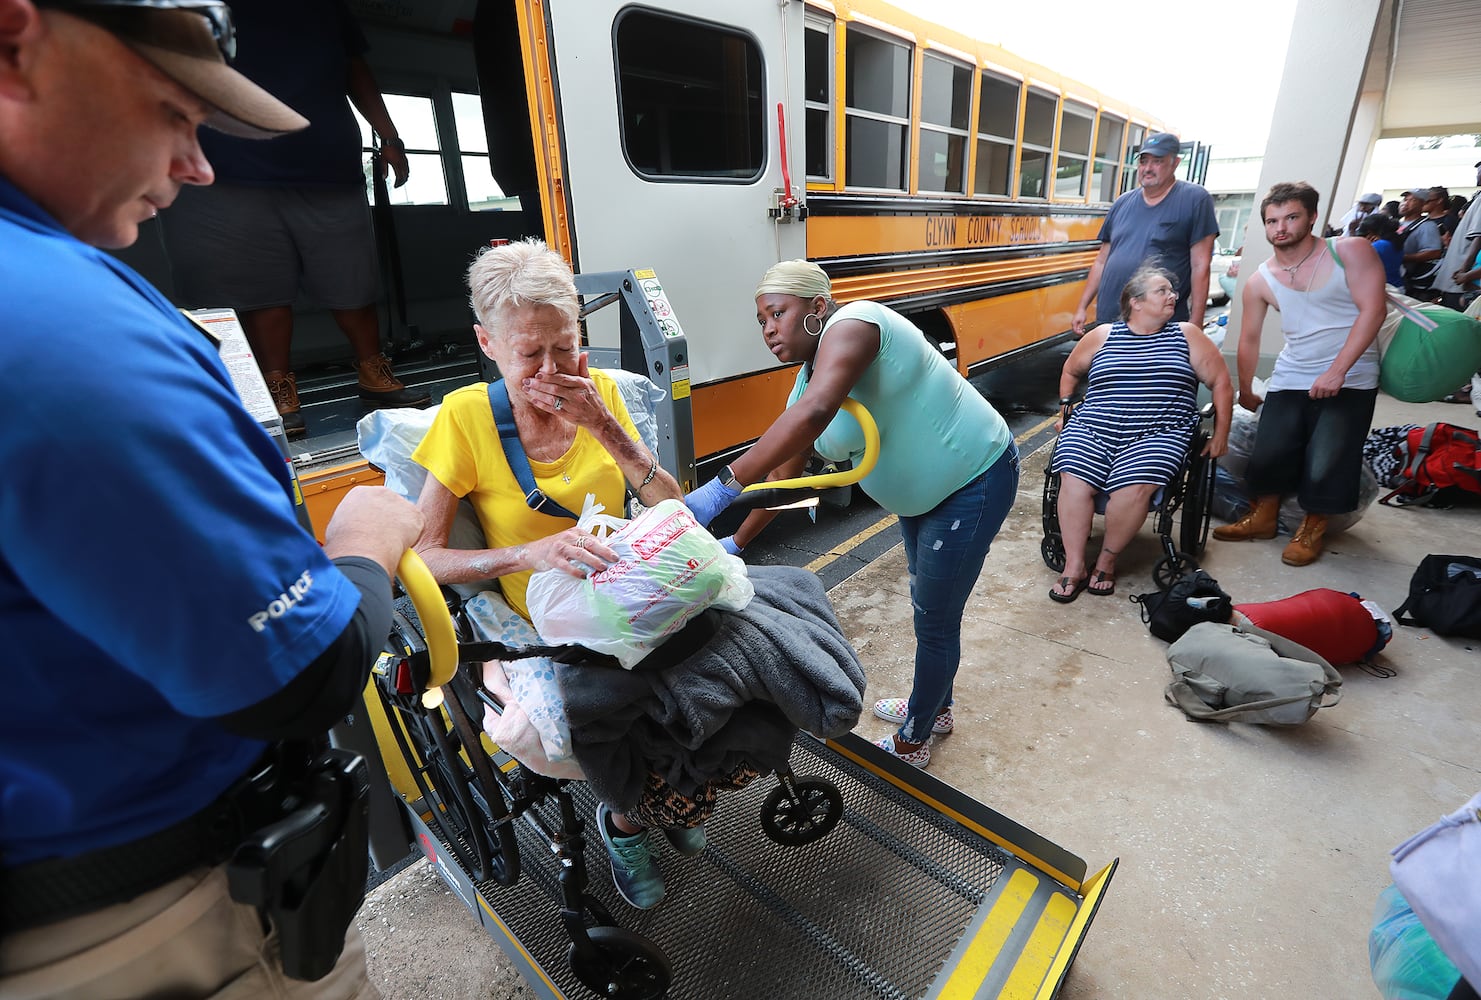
168, 622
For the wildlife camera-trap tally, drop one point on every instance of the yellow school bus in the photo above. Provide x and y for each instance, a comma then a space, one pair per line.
703, 141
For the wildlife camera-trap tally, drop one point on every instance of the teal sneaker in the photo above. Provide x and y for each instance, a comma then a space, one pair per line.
634, 871
688, 841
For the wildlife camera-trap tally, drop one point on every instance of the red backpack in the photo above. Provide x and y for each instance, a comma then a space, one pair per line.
1437, 461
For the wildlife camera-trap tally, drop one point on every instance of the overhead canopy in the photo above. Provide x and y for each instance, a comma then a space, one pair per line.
1426, 60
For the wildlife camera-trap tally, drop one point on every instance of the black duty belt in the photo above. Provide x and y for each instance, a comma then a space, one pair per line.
53, 889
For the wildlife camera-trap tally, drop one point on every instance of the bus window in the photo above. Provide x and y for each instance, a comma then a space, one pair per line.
484, 193
945, 115
877, 112
1103, 186
1074, 151
997, 134
1134, 137
690, 99
1038, 145
417, 125
818, 98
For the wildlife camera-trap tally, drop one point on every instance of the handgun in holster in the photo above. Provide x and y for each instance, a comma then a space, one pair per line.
306, 872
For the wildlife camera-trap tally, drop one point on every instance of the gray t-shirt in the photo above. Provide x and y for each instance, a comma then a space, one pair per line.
1160, 234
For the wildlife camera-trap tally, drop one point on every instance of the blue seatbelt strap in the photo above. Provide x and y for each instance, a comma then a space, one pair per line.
514, 453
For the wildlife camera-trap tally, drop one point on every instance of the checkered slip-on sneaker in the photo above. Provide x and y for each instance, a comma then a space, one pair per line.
919, 757
895, 709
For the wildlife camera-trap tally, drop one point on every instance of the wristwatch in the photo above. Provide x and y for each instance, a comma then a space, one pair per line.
728, 480
395, 142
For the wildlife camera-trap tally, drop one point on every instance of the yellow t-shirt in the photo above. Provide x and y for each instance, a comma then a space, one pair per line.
462, 450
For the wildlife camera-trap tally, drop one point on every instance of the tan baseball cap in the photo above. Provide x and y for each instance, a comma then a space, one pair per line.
188, 41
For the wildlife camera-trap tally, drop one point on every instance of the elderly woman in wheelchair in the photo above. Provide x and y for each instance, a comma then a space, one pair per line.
1130, 435
571, 423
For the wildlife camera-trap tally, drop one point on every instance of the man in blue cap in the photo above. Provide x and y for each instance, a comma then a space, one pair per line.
1164, 222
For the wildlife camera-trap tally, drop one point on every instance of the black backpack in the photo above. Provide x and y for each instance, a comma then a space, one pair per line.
1444, 596
1192, 598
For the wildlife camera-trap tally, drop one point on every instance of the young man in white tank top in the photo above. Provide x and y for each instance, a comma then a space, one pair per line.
1321, 393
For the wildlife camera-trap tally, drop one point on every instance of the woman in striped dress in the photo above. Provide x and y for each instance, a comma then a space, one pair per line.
1128, 437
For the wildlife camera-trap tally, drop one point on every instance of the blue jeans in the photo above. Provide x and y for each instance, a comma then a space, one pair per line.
944, 550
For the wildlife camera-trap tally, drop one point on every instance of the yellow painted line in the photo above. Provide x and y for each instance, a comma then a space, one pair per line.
1039, 952
988, 942
838, 552
530, 959
889, 520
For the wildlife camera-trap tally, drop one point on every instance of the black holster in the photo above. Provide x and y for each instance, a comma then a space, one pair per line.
306, 872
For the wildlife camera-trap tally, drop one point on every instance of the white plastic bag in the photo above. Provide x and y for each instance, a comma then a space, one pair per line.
669, 569
387, 437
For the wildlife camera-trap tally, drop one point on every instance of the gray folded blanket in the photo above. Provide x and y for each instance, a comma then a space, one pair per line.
779, 665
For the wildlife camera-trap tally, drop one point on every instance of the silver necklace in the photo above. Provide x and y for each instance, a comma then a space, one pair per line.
1291, 271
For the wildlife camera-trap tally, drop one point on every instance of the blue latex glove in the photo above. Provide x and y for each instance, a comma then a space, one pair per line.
709, 500
728, 544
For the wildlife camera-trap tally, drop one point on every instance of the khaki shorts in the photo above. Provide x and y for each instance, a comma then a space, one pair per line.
187, 940
233, 246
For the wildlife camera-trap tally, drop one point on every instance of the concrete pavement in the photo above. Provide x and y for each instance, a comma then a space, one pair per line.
1251, 857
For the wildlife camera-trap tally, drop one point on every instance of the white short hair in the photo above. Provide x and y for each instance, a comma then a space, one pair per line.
516, 275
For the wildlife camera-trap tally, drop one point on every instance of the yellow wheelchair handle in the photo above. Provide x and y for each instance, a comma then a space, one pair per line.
845, 477
437, 624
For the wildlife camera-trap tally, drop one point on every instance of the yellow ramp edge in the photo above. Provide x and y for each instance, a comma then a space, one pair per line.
992, 934
1040, 950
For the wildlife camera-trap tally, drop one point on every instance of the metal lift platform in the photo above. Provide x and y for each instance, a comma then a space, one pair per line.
918, 892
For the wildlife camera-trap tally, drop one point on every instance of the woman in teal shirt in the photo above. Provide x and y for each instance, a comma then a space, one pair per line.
948, 468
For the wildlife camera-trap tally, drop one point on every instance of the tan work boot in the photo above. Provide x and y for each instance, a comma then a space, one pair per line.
283, 387
1258, 523
1306, 543
379, 385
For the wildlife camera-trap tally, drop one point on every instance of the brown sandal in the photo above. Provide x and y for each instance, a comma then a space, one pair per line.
1075, 587
1101, 576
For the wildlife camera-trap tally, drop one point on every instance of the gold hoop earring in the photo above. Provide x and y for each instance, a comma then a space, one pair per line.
809, 330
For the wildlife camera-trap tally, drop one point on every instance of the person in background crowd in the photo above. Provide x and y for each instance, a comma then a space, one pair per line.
1381, 231
1361, 209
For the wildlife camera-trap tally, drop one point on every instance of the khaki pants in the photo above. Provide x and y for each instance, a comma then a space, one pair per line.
186, 940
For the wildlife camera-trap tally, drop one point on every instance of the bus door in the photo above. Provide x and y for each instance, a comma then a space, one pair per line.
669, 126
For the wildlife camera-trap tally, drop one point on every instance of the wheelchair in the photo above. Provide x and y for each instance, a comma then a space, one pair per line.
1185, 503
474, 794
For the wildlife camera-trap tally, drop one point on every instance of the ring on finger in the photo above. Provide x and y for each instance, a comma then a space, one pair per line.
581, 541
559, 403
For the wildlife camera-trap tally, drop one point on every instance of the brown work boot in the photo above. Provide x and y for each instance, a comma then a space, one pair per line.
379, 386
283, 387
1306, 543
1258, 523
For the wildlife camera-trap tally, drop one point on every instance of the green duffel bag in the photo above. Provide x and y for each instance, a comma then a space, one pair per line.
1432, 351
1240, 673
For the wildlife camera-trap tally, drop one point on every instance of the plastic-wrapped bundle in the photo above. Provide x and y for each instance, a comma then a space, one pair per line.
668, 570
1406, 962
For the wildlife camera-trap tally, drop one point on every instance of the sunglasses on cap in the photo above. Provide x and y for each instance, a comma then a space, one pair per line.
216, 13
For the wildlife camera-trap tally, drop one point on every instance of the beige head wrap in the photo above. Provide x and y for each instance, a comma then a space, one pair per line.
802, 278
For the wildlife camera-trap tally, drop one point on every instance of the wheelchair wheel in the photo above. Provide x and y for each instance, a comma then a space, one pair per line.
430, 750
627, 965
1168, 570
488, 790
1052, 547
807, 811
1197, 500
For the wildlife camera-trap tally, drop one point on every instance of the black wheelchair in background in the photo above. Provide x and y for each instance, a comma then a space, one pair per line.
1184, 504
